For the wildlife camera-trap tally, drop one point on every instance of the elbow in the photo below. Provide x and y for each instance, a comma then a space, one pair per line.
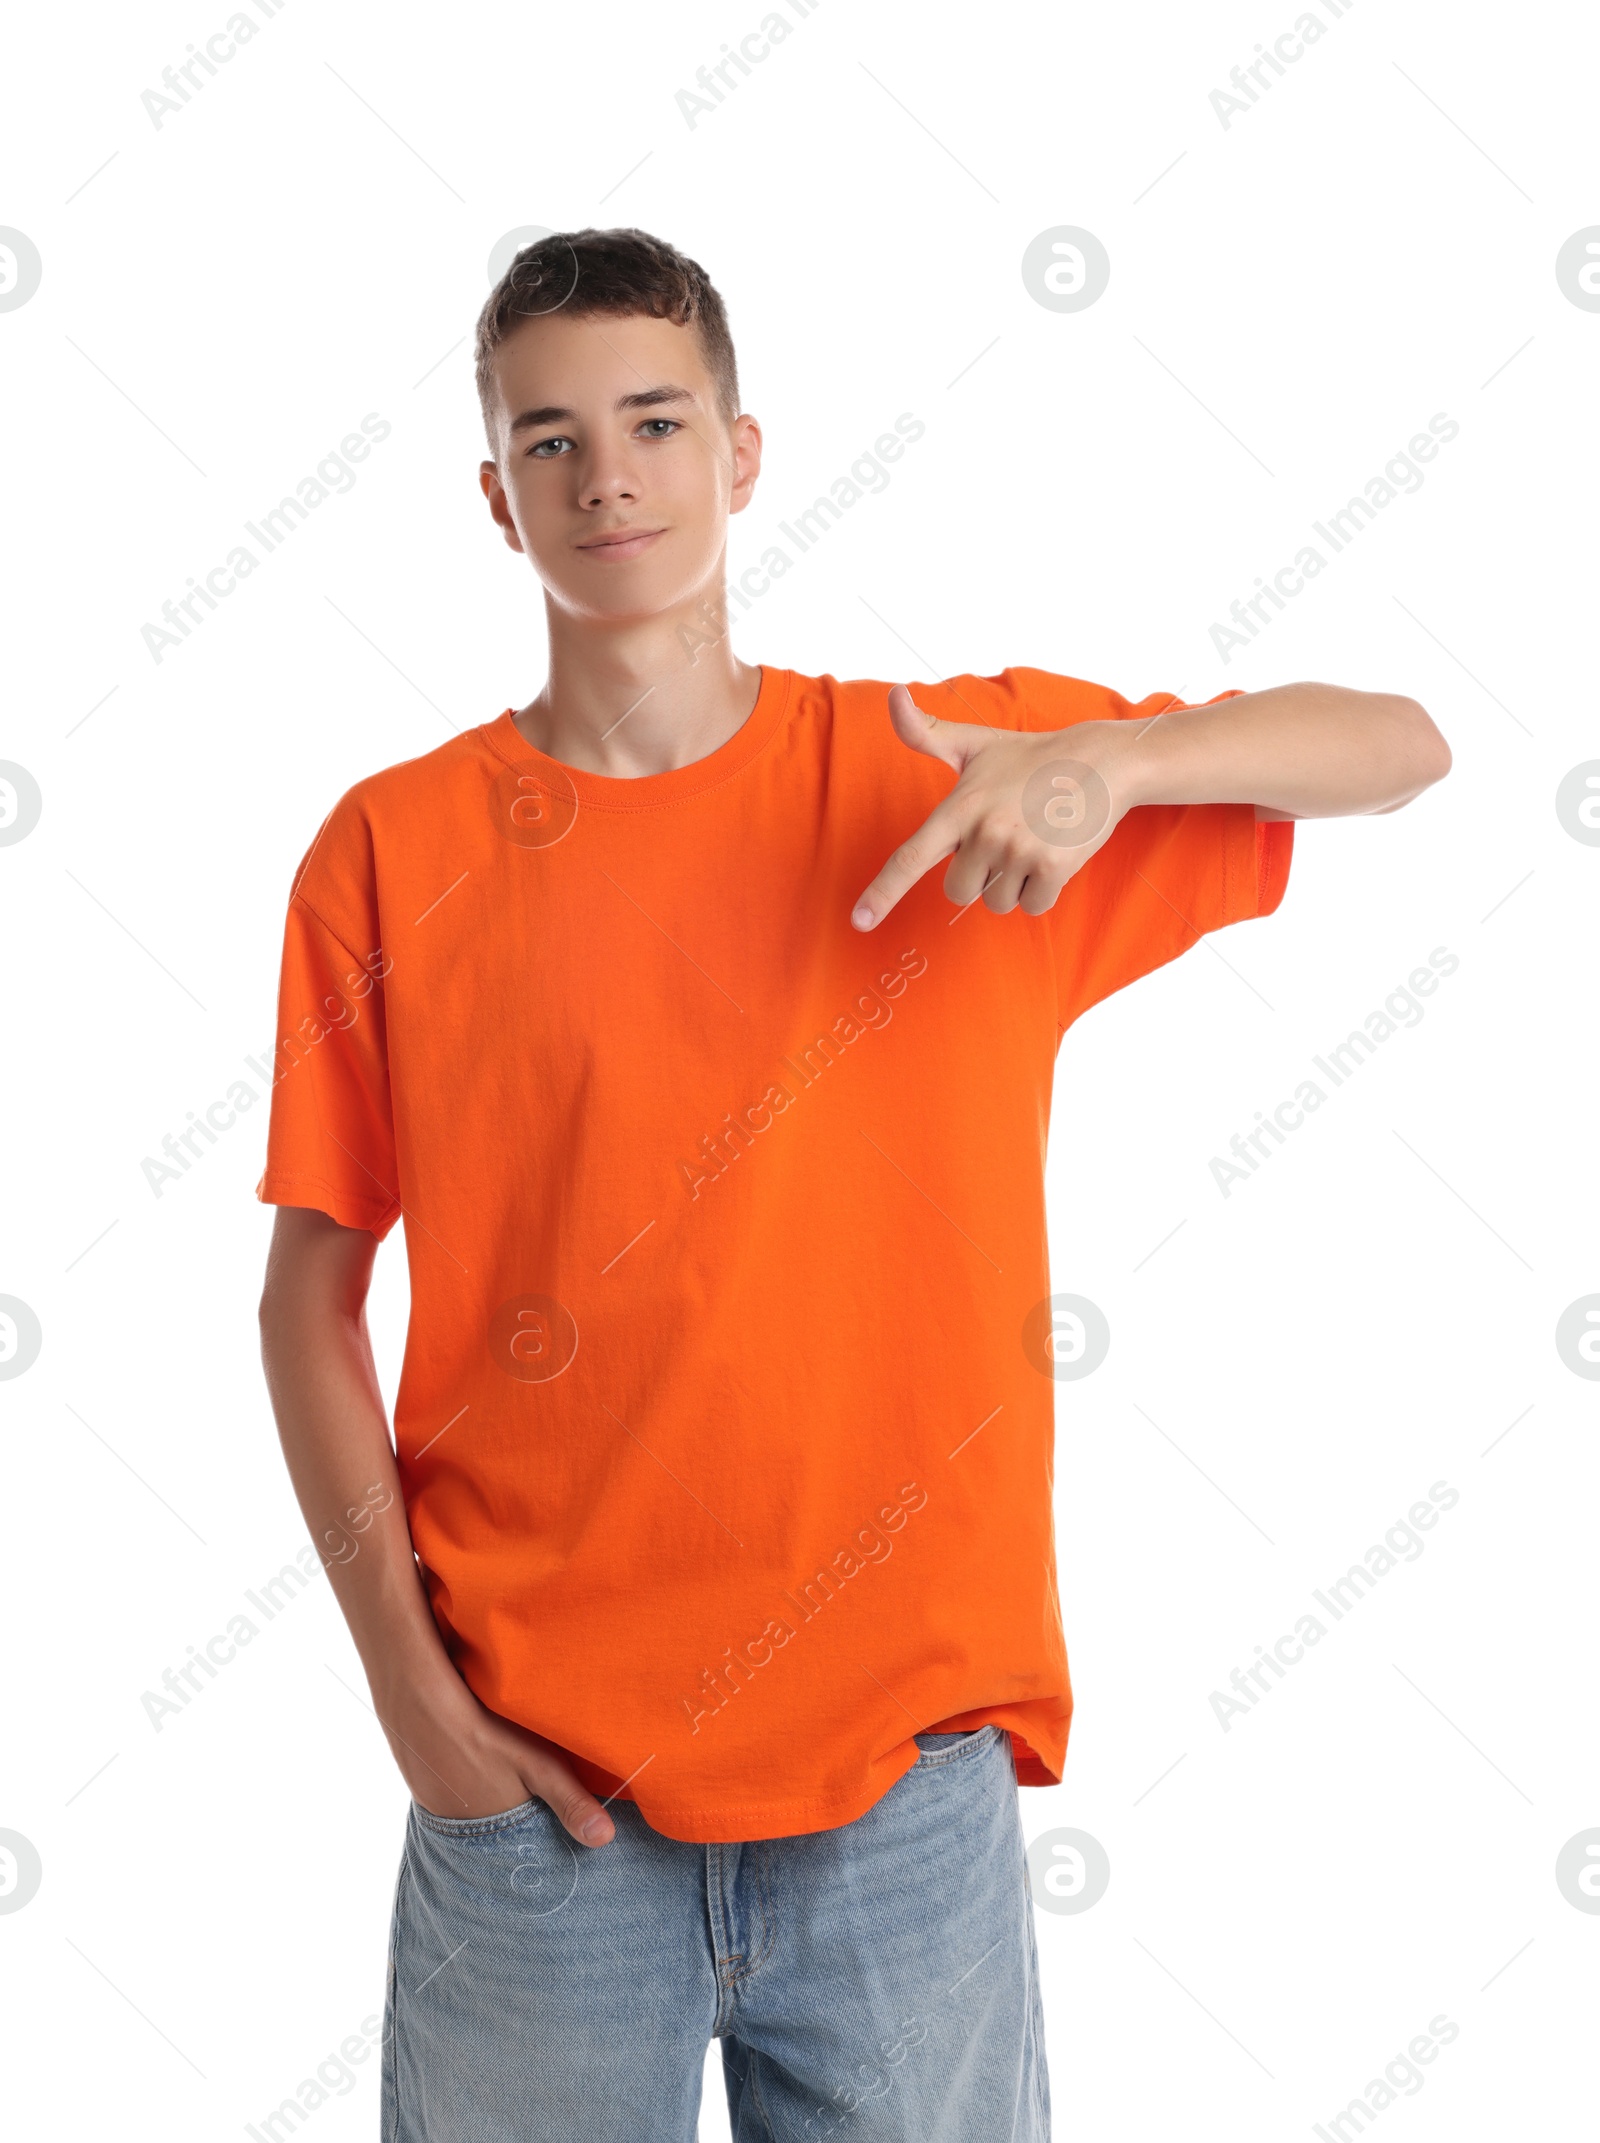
1424, 756
269, 1316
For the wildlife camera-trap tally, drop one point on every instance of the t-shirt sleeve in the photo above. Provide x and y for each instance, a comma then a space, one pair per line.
330, 1135
1169, 873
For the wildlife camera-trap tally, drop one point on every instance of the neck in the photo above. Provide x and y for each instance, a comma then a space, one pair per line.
643, 697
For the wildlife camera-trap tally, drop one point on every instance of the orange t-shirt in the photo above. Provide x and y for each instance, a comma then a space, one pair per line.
727, 1454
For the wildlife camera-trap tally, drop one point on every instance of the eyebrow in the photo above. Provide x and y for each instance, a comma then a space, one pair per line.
646, 398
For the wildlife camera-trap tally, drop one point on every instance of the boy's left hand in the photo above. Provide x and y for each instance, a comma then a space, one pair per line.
1030, 809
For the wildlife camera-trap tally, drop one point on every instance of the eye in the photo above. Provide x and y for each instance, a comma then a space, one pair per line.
671, 423
537, 451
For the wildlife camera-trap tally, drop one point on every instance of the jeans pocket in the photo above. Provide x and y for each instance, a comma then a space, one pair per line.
478, 1826
935, 1749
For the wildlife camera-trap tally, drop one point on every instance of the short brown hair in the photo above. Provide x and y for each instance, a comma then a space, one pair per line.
607, 272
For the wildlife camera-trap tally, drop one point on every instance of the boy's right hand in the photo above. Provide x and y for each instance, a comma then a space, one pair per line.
461, 1759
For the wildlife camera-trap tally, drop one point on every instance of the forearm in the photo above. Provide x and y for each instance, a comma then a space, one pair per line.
1309, 750
331, 1423
324, 1385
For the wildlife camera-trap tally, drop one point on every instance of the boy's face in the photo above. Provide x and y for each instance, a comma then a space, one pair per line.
609, 427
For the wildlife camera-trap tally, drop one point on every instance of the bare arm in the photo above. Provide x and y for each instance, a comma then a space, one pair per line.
458, 1757
1295, 751
1032, 806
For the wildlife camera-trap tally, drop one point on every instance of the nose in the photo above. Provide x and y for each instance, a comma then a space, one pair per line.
608, 480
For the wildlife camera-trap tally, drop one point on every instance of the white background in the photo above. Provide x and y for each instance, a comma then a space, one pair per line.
1292, 297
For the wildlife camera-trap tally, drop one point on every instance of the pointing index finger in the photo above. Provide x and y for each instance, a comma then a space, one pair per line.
936, 838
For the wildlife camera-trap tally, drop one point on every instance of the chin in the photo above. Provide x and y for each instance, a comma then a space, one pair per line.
629, 601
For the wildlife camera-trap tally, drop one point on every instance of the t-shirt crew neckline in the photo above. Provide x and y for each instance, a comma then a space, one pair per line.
643, 792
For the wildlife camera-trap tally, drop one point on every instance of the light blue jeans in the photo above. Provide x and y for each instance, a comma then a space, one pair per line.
876, 1983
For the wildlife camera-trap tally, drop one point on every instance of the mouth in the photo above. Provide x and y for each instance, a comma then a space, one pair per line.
622, 543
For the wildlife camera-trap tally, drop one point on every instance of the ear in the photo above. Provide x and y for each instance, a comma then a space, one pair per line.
494, 491
746, 439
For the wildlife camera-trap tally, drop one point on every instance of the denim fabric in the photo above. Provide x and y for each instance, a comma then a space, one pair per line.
875, 1983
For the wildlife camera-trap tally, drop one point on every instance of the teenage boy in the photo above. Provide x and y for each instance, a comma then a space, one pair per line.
707, 1593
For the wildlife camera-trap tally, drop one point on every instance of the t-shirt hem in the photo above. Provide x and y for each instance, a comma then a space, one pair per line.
1255, 864
348, 1208
740, 1823
1274, 852
726, 1825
